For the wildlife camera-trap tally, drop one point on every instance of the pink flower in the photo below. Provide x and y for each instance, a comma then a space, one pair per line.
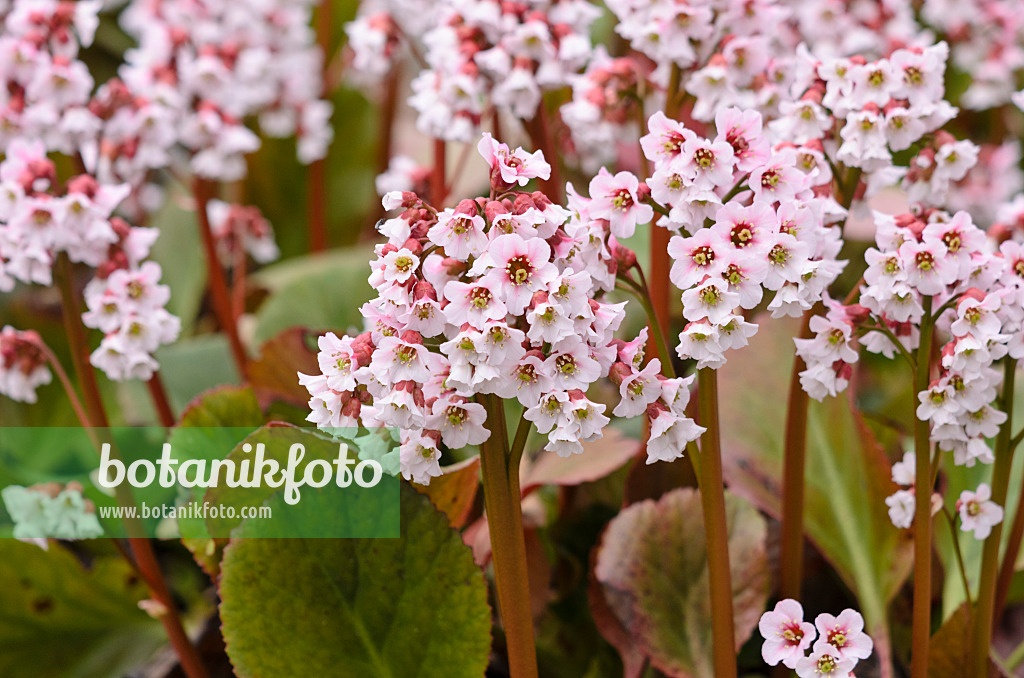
518, 268
824, 662
696, 257
474, 303
513, 166
845, 634
786, 634
460, 234
615, 198
742, 130
664, 143
978, 513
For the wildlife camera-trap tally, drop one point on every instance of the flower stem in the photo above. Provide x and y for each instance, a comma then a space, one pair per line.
161, 402
317, 196
716, 531
437, 174
539, 131
71, 312
202, 192
144, 557
500, 471
791, 556
922, 610
1009, 566
984, 617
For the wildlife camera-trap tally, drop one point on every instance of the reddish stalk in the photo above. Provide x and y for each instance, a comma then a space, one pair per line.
145, 558
238, 273
72, 315
794, 461
503, 504
202, 190
539, 131
923, 483
317, 196
69, 389
437, 175
1008, 568
716, 530
161, 403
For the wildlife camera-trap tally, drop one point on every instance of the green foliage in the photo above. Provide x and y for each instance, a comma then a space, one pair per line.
322, 292
847, 473
62, 620
398, 608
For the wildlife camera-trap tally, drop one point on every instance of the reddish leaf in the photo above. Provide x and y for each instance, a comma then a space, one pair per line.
597, 460
652, 568
273, 374
454, 492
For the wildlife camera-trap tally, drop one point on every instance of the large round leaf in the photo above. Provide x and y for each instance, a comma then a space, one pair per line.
414, 607
652, 569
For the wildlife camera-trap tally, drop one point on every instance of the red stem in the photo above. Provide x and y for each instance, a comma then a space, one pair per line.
540, 135
437, 175
161, 403
202, 190
317, 216
145, 559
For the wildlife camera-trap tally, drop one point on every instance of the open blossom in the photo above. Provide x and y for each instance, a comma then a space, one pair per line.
786, 635
978, 513
845, 634
824, 661
514, 167
616, 199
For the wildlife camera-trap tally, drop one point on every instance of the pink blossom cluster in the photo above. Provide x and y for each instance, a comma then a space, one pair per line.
40, 221
939, 268
22, 364
746, 220
210, 65
241, 230
502, 295
986, 42
128, 307
605, 105
841, 642
484, 55
44, 87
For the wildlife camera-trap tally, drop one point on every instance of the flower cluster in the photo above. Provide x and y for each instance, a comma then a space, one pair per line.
128, 307
745, 219
482, 54
22, 364
841, 642
498, 296
212, 65
51, 511
933, 268
240, 230
44, 87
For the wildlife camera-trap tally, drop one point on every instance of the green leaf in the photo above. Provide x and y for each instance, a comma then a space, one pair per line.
58, 619
191, 366
320, 291
178, 250
395, 608
652, 567
847, 472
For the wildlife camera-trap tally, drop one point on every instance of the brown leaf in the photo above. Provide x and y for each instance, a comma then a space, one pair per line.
454, 491
273, 374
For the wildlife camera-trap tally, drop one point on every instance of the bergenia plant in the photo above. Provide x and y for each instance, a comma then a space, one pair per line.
668, 322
